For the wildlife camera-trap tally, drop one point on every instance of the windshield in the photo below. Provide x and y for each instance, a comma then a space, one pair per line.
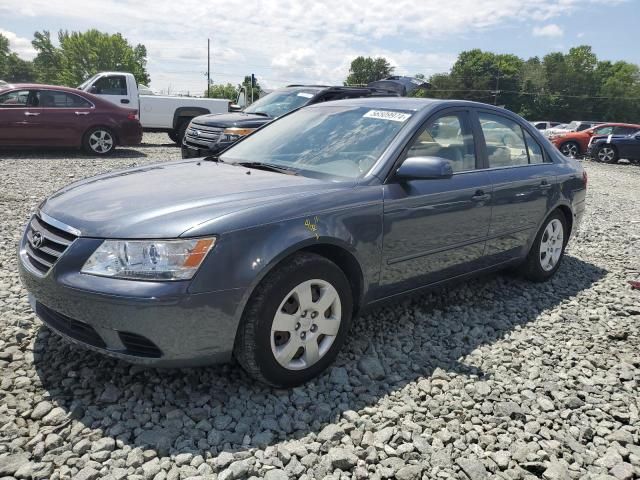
87, 82
280, 102
334, 141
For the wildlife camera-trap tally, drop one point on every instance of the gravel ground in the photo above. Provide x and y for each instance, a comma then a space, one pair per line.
494, 378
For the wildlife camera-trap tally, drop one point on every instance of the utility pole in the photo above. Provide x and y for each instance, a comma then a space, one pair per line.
208, 67
495, 98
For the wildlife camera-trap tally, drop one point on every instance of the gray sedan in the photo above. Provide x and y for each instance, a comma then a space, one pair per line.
269, 251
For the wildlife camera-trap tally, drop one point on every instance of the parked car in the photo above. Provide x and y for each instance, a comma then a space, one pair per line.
575, 126
270, 251
211, 134
611, 148
544, 125
158, 113
47, 115
574, 144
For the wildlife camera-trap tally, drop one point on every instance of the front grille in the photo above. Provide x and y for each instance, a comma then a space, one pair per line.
139, 345
204, 133
80, 331
45, 244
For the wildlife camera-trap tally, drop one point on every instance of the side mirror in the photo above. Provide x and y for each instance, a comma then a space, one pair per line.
93, 89
425, 168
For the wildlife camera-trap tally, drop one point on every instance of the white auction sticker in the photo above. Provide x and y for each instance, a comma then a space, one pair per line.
305, 95
388, 115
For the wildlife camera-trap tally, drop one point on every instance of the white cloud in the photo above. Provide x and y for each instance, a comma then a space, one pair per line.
286, 41
550, 30
19, 45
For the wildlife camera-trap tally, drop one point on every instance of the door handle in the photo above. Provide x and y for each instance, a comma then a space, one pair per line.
544, 185
81, 113
124, 100
32, 114
480, 196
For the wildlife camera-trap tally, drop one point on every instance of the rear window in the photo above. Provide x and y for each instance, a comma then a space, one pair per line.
54, 99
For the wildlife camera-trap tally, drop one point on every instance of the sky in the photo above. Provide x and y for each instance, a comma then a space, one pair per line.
288, 41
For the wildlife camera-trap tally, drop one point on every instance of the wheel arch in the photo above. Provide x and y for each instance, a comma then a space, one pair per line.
188, 113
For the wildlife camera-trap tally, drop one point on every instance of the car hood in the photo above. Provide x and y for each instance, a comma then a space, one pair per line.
239, 119
166, 200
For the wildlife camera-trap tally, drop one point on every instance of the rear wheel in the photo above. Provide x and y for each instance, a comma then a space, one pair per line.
295, 323
548, 249
180, 130
570, 149
99, 141
607, 154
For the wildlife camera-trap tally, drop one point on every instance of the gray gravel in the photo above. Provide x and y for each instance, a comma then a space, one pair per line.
494, 378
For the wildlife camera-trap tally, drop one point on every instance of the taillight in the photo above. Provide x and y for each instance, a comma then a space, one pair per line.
133, 115
585, 178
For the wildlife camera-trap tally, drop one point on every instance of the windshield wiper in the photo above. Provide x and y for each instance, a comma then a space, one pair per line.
262, 114
269, 167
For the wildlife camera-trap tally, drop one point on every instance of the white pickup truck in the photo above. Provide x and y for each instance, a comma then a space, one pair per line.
158, 113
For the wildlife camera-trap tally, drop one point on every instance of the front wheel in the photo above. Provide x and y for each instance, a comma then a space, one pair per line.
99, 141
295, 322
607, 154
548, 249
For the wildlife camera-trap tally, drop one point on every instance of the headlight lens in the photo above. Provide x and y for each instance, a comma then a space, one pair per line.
235, 133
149, 259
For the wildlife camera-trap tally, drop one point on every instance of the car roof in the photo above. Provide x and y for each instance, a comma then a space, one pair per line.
36, 86
405, 103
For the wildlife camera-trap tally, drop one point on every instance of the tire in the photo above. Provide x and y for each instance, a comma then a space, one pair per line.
180, 129
99, 141
607, 154
570, 149
173, 136
257, 341
545, 257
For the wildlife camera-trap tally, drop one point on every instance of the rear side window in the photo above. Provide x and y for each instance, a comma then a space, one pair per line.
448, 137
602, 130
114, 85
505, 141
533, 149
624, 130
53, 99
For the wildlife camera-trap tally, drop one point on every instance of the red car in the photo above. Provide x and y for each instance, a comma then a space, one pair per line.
574, 144
45, 115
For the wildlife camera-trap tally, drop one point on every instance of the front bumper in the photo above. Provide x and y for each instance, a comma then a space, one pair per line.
192, 149
159, 324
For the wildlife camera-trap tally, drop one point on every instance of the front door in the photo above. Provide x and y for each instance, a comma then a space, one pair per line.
524, 185
20, 118
436, 229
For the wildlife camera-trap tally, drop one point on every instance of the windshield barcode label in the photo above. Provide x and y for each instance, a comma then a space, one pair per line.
387, 115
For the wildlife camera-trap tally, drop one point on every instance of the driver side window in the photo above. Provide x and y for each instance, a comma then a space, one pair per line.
448, 136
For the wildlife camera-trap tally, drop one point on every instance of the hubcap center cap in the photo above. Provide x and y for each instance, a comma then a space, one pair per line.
305, 322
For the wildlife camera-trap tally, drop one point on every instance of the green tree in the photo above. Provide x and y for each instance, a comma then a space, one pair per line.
12, 67
364, 70
257, 89
227, 91
84, 54
48, 61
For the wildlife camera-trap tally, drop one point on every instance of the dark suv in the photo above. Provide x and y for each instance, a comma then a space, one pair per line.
210, 134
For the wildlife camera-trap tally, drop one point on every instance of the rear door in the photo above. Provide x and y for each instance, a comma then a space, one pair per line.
66, 116
524, 184
436, 229
20, 118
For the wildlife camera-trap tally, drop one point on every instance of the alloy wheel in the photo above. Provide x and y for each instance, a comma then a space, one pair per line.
306, 324
101, 141
569, 150
606, 154
551, 245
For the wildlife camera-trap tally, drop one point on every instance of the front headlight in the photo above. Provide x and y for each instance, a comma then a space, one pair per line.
149, 259
235, 133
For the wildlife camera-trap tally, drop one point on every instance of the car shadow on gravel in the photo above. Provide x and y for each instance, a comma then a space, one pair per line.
220, 408
65, 154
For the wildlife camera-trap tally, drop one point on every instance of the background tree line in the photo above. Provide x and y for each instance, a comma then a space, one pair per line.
78, 56
559, 86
